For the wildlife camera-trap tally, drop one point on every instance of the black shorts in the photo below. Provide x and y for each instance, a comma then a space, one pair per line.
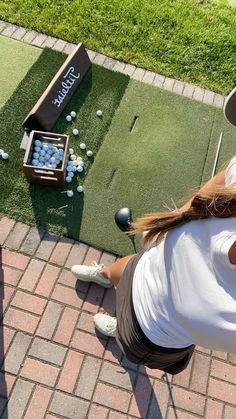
132, 340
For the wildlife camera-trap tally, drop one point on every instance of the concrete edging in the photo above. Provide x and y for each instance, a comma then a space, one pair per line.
149, 77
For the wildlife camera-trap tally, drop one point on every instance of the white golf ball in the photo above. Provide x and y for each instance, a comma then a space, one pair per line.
71, 151
36, 155
73, 157
35, 162
47, 156
68, 118
73, 168
58, 162
54, 166
69, 169
41, 158
80, 169
75, 163
89, 153
38, 143
40, 164
81, 163
82, 146
71, 174
80, 188
70, 163
75, 131
50, 145
54, 149
70, 193
68, 179
42, 152
99, 113
73, 114
37, 149
49, 151
61, 151
45, 147
52, 160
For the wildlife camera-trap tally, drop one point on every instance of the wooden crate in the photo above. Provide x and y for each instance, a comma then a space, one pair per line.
44, 176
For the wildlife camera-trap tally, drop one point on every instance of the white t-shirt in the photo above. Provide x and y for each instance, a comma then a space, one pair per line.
184, 289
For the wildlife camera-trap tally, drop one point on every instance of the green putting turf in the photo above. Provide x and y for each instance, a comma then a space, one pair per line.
152, 146
168, 153
101, 89
16, 58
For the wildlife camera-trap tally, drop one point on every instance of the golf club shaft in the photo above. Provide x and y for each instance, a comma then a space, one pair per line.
217, 154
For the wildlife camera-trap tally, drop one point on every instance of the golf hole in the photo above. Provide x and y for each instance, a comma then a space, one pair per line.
133, 123
111, 179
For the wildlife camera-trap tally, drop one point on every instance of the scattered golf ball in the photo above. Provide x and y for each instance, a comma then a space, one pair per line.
5, 156
75, 131
71, 174
80, 169
99, 113
70, 163
69, 169
68, 179
89, 153
82, 146
70, 193
80, 188
71, 151
68, 118
73, 157
73, 114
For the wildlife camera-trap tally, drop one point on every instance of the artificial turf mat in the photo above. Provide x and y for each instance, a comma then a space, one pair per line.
169, 152
16, 59
150, 146
101, 89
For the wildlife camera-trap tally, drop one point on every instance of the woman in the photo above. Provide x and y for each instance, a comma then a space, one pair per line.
181, 290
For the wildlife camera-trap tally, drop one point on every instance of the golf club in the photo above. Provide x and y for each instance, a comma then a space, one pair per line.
217, 155
123, 219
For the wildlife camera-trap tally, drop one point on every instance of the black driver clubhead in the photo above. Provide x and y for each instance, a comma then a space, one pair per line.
123, 219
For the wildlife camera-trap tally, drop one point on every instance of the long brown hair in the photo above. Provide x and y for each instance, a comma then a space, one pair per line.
219, 202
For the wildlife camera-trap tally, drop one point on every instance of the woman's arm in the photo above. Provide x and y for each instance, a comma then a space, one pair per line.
217, 180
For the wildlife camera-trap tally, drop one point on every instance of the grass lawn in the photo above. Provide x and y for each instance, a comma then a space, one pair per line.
191, 40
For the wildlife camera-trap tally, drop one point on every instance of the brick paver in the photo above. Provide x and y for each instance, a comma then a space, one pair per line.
52, 363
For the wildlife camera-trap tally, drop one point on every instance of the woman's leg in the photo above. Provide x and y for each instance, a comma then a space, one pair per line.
114, 271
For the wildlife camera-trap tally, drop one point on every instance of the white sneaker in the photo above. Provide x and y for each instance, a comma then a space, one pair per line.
91, 274
105, 324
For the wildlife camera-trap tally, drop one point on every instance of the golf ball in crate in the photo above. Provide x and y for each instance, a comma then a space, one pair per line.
42, 152
36, 155
99, 113
89, 153
35, 162
68, 118
73, 114
37, 149
80, 188
82, 146
38, 143
70, 193
61, 151
75, 131
68, 179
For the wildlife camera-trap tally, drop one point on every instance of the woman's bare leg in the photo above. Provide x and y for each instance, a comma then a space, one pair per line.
114, 271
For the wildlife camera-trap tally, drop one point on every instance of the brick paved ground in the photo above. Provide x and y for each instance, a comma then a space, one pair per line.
54, 365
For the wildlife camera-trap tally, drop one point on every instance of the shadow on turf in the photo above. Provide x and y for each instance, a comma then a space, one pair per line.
3, 385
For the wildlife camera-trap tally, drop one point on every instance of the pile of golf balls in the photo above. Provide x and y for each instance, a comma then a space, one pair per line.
47, 155
4, 155
75, 165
